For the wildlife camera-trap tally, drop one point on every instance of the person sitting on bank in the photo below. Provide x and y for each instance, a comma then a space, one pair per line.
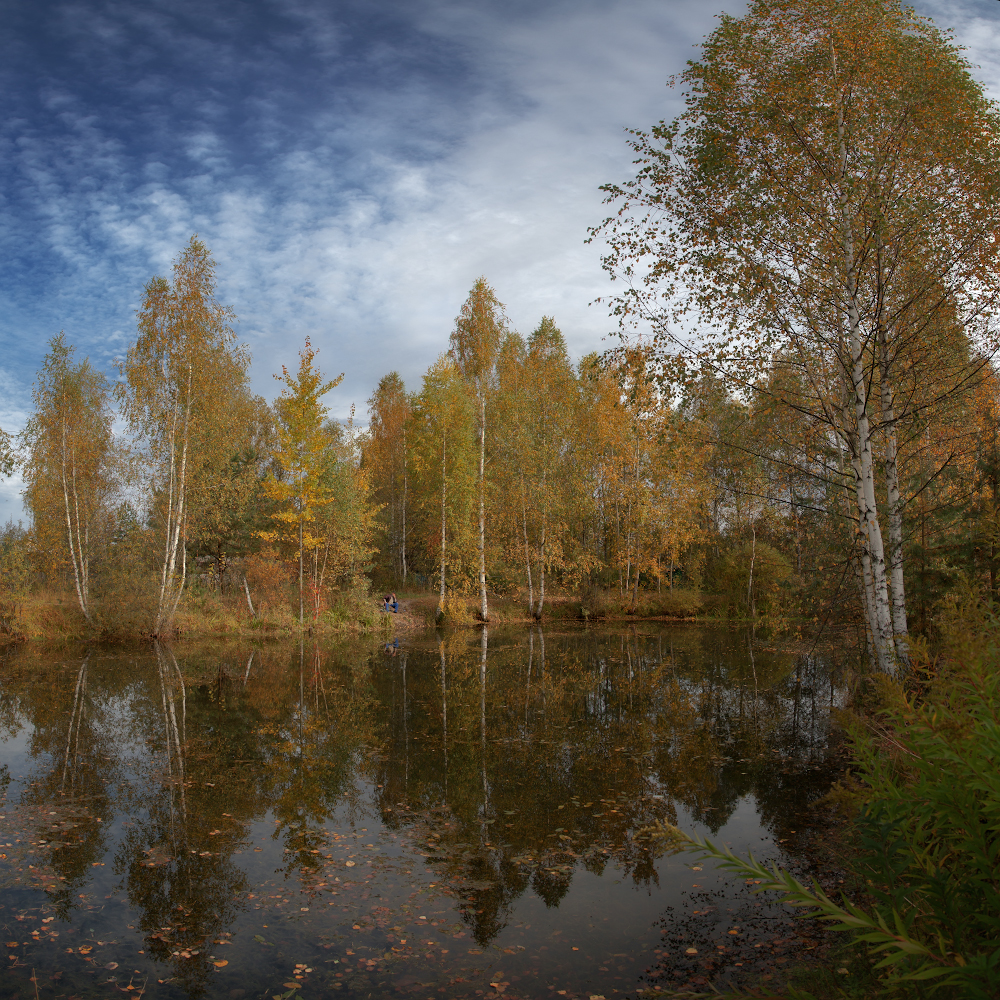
389, 603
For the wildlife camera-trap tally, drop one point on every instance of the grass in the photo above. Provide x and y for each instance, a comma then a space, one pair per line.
55, 616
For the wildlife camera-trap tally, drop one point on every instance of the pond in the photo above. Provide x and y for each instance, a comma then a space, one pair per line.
440, 816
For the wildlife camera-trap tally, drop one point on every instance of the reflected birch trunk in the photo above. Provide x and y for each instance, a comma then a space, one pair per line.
444, 716
175, 739
75, 720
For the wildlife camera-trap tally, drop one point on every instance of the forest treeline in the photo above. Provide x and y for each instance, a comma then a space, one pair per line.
798, 425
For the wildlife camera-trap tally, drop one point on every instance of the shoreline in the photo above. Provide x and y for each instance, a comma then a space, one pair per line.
56, 618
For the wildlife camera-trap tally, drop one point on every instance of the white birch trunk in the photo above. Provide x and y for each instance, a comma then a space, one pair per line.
541, 553
77, 557
862, 458
527, 550
897, 590
484, 610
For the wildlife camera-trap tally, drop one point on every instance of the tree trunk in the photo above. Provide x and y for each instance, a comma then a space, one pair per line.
484, 610
897, 591
170, 589
862, 458
76, 554
444, 498
541, 552
527, 551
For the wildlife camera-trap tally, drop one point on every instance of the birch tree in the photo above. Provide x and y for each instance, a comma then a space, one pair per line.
475, 344
831, 188
386, 458
69, 469
177, 378
441, 425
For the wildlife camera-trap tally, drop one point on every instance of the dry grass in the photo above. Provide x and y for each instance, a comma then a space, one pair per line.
56, 617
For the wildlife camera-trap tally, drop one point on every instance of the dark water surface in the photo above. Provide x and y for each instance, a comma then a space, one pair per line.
445, 819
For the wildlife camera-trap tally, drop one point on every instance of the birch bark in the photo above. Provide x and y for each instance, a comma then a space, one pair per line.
862, 458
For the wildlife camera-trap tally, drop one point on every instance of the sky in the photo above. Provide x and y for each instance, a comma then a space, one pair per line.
354, 166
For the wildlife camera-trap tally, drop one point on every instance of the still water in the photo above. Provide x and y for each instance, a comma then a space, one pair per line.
452, 816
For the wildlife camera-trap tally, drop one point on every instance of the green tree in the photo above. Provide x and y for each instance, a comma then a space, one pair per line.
70, 465
300, 486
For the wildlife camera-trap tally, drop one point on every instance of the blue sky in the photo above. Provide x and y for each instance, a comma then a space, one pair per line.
354, 166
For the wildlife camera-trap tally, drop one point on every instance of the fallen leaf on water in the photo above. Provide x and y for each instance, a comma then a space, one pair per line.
350, 864
294, 986
691, 951
11, 944
221, 963
576, 949
86, 949
111, 965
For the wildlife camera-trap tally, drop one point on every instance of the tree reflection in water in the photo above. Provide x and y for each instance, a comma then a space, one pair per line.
506, 764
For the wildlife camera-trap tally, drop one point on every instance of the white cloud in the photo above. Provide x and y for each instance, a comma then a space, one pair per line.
358, 201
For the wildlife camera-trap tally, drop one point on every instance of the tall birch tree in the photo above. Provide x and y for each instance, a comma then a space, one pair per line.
386, 456
177, 379
441, 425
831, 188
475, 344
69, 469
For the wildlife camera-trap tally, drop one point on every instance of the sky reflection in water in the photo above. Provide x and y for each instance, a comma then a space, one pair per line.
445, 819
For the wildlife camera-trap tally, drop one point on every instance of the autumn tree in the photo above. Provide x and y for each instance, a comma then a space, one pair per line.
829, 192
300, 486
385, 457
177, 382
70, 467
441, 432
475, 342
344, 528
550, 416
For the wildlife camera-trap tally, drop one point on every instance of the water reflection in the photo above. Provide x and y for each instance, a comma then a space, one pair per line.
171, 805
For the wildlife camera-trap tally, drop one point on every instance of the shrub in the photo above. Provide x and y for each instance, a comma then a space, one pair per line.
268, 578
926, 830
